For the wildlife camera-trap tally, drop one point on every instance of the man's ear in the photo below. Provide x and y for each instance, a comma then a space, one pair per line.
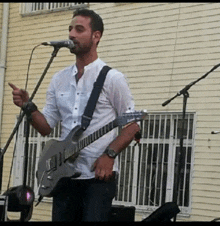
96, 36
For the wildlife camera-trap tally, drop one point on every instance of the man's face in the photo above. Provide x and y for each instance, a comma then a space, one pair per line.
81, 34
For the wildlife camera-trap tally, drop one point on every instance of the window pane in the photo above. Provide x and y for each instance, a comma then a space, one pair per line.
27, 8
125, 179
152, 178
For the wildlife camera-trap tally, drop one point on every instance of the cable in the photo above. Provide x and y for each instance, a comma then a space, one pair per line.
27, 77
29, 64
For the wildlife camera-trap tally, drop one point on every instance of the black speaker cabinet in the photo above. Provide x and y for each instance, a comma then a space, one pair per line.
122, 213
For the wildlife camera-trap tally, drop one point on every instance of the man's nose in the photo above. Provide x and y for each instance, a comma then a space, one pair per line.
72, 34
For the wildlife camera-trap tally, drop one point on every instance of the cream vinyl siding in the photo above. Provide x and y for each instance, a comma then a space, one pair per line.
1, 14
161, 47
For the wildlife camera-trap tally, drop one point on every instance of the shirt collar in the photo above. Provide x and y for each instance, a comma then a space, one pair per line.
92, 64
87, 67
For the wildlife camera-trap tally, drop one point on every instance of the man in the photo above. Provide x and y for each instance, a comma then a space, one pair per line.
88, 197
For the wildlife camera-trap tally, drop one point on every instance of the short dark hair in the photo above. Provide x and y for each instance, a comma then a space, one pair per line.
96, 20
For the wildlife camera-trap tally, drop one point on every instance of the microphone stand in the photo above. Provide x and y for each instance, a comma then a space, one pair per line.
179, 157
3, 151
27, 132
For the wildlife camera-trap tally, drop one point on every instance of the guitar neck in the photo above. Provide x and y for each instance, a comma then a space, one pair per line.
121, 120
96, 135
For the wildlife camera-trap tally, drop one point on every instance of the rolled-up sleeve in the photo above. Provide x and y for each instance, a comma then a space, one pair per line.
50, 110
120, 95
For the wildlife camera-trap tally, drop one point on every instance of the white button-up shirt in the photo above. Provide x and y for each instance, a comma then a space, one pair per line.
66, 101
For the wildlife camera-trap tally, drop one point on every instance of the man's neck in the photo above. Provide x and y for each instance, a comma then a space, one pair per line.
82, 61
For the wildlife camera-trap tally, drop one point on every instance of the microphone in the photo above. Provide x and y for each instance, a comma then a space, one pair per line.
215, 132
63, 43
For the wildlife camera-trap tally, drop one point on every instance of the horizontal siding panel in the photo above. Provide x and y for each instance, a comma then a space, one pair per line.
205, 174
212, 202
208, 162
206, 187
209, 211
43, 210
207, 194
200, 168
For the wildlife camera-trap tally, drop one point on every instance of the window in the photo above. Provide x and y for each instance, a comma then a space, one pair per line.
40, 7
147, 170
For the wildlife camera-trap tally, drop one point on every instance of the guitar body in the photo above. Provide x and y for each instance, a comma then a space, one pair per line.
52, 167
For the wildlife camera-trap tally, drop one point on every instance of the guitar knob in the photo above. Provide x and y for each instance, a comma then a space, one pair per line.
44, 187
49, 178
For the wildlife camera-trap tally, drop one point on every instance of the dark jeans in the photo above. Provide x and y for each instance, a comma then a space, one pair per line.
84, 200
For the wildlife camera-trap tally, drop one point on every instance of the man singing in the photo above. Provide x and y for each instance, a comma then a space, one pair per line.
88, 197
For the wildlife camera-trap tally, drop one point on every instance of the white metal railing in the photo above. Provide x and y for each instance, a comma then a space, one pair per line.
147, 170
39, 7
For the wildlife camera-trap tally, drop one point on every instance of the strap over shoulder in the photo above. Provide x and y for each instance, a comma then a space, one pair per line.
91, 104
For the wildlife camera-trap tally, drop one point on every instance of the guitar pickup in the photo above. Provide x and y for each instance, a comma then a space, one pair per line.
51, 163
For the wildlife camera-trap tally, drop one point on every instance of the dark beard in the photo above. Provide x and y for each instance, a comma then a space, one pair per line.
80, 50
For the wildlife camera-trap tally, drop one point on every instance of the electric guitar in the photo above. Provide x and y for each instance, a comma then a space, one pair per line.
52, 167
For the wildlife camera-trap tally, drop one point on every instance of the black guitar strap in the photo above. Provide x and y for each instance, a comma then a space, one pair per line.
90, 107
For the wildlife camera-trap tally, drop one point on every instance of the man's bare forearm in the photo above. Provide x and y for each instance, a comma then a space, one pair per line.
124, 139
39, 123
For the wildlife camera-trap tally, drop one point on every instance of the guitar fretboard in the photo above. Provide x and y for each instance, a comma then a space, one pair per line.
96, 135
91, 138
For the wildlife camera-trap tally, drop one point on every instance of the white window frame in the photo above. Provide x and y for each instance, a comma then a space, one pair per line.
33, 8
132, 165
133, 154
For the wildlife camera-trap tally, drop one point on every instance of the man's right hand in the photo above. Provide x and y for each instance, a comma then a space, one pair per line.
39, 122
20, 96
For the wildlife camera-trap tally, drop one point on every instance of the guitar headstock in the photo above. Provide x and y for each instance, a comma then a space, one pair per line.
131, 117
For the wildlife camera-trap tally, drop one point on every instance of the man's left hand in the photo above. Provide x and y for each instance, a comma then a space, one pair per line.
103, 167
